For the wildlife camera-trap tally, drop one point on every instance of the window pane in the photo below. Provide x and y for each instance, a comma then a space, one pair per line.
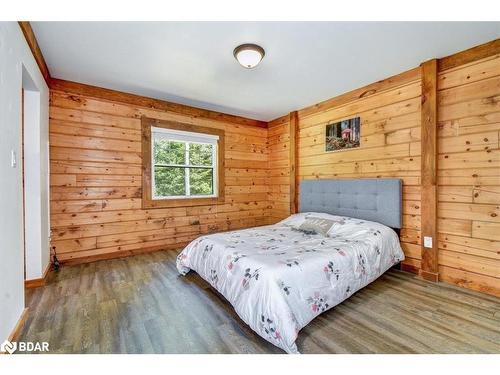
201, 181
169, 152
200, 154
169, 181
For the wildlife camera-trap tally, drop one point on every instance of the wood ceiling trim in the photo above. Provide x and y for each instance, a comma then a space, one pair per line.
469, 55
142, 101
279, 120
29, 35
363, 92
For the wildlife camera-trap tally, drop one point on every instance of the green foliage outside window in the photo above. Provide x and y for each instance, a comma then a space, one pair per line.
200, 181
169, 152
170, 180
200, 154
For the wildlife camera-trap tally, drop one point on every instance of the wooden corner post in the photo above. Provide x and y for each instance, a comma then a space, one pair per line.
294, 154
429, 267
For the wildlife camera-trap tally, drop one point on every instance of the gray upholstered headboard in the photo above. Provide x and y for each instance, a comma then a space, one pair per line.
369, 199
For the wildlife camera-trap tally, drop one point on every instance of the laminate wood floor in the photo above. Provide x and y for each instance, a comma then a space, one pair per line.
141, 304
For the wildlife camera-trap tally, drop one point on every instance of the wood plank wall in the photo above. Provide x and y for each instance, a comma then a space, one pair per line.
469, 175
390, 147
95, 166
468, 162
279, 169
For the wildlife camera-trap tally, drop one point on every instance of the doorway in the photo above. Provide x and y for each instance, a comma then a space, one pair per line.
30, 165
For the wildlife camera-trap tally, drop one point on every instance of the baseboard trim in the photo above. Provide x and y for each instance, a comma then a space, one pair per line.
409, 268
19, 326
35, 283
119, 254
429, 276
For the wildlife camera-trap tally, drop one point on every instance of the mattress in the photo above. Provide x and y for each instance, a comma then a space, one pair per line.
278, 278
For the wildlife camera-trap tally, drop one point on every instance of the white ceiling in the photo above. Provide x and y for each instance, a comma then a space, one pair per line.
192, 62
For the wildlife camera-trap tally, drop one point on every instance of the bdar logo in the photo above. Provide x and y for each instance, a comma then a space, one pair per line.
8, 347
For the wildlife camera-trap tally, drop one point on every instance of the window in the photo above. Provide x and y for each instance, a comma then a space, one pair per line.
183, 164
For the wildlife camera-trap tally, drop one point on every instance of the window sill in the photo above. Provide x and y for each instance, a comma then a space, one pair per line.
182, 202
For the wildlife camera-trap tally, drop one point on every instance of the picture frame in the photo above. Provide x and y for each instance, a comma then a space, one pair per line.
343, 135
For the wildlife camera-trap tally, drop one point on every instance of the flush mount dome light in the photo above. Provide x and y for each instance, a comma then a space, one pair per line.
249, 55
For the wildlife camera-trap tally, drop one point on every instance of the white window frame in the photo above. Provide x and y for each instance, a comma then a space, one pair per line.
187, 138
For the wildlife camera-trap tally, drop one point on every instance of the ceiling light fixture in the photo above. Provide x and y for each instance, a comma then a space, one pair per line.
249, 55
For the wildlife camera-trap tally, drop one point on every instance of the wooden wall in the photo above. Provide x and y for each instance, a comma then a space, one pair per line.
95, 157
96, 168
468, 160
469, 175
279, 169
390, 147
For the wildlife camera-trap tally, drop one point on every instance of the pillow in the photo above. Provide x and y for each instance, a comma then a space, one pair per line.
318, 225
296, 220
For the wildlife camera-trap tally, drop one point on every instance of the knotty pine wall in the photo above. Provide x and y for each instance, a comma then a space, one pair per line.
279, 169
390, 147
468, 164
469, 175
95, 177
96, 168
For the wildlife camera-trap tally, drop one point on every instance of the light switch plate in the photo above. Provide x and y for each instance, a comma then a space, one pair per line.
428, 242
13, 160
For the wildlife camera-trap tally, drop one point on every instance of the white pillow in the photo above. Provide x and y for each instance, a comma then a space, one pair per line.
296, 220
315, 224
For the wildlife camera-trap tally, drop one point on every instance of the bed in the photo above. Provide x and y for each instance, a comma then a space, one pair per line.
279, 277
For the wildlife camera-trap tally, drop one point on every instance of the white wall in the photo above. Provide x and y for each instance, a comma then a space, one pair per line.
32, 180
14, 55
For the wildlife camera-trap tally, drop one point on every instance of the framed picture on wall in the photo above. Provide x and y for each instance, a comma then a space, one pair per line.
343, 135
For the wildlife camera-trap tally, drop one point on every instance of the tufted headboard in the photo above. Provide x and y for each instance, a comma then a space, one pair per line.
370, 199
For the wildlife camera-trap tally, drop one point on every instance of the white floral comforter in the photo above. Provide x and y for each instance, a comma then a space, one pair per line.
278, 278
